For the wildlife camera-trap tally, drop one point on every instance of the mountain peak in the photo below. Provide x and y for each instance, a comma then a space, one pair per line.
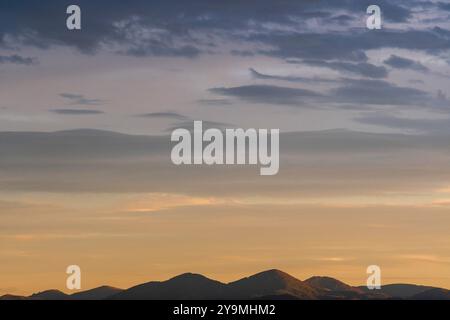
271, 283
191, 277
328, 283
98, 293
272, 277
273, 274
185, 286
51, 294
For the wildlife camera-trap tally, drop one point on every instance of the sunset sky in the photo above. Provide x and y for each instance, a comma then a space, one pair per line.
86, 116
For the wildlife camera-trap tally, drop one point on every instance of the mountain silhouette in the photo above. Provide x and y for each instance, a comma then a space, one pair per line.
333, 289
267, 285
330, 284
12, 297
99, 293
188, 286
433, 294
400, 290
49, 295
270, 283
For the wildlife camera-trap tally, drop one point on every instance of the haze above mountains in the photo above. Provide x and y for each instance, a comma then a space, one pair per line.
267, 285
142, 164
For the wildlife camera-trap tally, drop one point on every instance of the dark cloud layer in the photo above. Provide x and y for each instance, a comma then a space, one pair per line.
351, 45
444, 6
17, 59
349, 93
181, 28
405, 63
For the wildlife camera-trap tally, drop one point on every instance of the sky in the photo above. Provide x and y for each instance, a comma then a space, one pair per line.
86, 117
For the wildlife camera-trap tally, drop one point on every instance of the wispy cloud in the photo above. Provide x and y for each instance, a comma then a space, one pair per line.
79, 99
334, 259
361, 69
189, 125
61, 236
258, 75
163, 115
420, 125
215, 102
267, 94
163, 201
425, 258
76, 112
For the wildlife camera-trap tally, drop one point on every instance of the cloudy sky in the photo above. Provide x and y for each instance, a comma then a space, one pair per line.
85, 115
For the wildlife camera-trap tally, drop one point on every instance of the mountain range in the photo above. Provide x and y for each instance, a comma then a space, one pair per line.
267, 285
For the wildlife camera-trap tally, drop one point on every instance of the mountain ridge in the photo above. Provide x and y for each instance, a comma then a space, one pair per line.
266, 285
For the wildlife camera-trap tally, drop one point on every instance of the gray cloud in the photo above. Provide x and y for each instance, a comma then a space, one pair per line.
351, 94
379, 92
258, 75
383, 93
80, 99
362, 69
268, 94
312, 46
154, 47
242, 53
76, 112
429, 126
189, 125
16, 59
444, 6
215, 102
163, 115
352, 44
343, 19
405, 63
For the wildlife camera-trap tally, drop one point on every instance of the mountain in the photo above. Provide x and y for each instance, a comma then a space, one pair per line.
433, 294
187, 286
333, 289
99, 293
400, 290
267, 285
12, 297
330, 284
271, 283
49, 295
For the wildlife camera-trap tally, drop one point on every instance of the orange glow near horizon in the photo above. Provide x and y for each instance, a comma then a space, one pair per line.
117, 243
